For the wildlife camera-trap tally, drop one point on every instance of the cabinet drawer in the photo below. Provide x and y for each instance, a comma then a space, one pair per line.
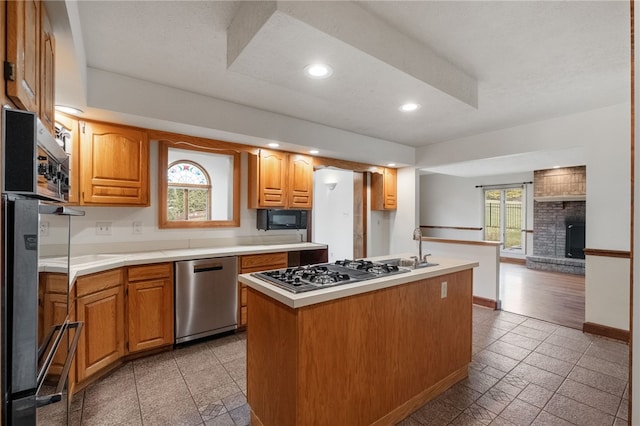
55, 283
95, 282
149, 272
243, 316
262, 262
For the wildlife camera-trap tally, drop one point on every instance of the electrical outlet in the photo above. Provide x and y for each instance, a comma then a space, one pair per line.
137, 227
103, 228
44, 229
443, 289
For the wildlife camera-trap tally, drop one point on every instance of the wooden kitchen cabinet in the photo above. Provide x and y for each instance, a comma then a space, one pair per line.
54, 289
280, 180
22, 70
256, 263
47, 74
149, 306
100, 305
71, 126
384, 190
114, 165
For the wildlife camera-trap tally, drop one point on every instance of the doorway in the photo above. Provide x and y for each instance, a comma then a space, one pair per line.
505, 217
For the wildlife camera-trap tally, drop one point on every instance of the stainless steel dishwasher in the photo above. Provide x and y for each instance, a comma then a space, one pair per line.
206, 297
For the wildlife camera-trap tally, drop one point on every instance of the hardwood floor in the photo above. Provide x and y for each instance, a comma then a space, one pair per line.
548, 296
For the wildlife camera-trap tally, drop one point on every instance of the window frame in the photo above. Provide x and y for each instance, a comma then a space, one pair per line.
201, 145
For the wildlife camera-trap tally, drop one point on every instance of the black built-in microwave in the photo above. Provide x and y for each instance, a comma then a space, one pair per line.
269, 219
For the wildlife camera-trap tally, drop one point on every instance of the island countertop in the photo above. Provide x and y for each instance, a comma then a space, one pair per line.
297, 300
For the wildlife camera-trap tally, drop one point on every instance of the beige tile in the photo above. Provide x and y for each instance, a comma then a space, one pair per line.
530, 333
207, 380
543, 326
548, 363
223, 420
618, 371
211, 411
436, 412
511, 317
241, 416
466, 420
493, 372
118, 410
223, 340
152, 392
495, 400
216, 394
568, 343
237, 368
499, 323
499, 421
535, 395
511, 384
174, 412
230, 351
520, 340
532, 374
601, 400
497, 361
149, 373
614, 356
546, 419
520, 413
195, 361
558, 352
574, 334
598, 380
507, 349
623, 410
620, 422
576, 412
459, 396
479, 381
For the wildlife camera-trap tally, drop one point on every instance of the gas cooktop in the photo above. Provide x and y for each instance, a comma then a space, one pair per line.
314, 277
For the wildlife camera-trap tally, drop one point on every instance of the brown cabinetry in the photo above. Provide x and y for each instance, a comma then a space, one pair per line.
280, 180
255, 263
22, 71
114, 165
384, 190
47, 73
100, 305
149, 306
53, 297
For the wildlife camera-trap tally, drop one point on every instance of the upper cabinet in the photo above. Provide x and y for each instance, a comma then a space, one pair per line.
47, 73
22, 67
280, 180
114, 165
384, 190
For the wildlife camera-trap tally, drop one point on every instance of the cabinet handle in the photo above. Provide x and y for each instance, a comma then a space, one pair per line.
207, 268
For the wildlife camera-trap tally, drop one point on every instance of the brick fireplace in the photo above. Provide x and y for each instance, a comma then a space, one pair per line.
559, 205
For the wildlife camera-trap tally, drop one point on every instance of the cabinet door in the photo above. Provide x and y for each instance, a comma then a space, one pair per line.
272, 179
390, 189
115, 165
23, 53
102, 339
70, 125
150, 319
47, 74
300, 181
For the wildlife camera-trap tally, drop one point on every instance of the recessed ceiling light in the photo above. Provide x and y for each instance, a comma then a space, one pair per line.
314, 151
273, 145
391, 165
318, 70
409, 106
68, 109
556, 167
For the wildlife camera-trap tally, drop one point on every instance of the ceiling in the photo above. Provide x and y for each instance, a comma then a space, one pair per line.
473, 66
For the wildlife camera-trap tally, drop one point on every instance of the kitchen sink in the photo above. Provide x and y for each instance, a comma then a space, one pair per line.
407, 263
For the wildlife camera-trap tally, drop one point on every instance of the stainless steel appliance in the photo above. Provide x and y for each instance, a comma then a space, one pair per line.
37, 343
314, 277
269, 219
33, 163
206, 299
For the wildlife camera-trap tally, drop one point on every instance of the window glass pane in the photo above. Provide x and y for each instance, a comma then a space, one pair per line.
198, 204
513, 219
175, 204
492, 215
186, 173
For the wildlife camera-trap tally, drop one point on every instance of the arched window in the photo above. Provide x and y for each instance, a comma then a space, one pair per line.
188, 192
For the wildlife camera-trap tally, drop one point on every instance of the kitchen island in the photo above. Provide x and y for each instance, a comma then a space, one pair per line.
365, 353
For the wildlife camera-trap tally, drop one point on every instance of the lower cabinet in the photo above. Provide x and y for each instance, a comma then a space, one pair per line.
256, 263
124, 310
100, 305
149, 306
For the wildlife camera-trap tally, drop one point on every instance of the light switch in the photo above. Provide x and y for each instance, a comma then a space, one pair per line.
443, 289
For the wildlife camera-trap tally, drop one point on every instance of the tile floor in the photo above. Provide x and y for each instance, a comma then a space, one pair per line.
524, 372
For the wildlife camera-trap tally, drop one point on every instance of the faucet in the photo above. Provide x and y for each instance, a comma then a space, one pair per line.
417, 235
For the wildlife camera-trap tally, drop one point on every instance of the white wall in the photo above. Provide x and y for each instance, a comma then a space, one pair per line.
333, 212
405, 219
604, 135
455, 201
634, 416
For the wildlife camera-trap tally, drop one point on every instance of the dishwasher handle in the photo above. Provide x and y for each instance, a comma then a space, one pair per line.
197, 269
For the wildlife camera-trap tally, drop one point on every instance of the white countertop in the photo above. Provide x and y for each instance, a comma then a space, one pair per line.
298, 300
92, 263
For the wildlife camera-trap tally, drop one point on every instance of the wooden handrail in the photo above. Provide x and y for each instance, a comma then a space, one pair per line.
607, 253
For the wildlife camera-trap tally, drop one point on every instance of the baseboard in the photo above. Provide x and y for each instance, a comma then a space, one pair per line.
606, 331
516, 260
487, 303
